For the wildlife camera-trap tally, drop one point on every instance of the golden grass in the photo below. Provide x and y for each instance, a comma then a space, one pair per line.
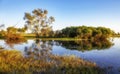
13, 60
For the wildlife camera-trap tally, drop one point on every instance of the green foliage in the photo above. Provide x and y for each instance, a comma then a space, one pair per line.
14, 38
2, 33
85, 32
38, 22
71, 31
13, 35
12, 30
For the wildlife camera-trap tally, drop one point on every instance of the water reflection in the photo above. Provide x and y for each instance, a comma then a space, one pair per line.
11, 42
39, 49
85, 44
42, 49
46, 45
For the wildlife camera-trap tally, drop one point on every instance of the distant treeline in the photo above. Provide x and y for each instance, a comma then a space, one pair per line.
85, 32
81, 32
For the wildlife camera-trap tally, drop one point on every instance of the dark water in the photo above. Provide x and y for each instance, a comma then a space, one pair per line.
105, 54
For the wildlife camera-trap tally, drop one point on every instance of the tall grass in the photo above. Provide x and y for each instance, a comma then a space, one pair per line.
12, 61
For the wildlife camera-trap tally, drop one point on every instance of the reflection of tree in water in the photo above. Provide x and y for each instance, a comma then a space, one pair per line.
39, 60
39, 49
11, 42
86, 44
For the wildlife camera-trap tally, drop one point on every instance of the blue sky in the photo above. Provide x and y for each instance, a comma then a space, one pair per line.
66, 12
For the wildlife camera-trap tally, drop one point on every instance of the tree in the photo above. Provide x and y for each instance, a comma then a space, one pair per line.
69, 31
21, 30
38, 22
84, 32
12, 30
2, 33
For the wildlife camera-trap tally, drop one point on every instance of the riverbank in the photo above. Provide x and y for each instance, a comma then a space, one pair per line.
13, 61
70, 39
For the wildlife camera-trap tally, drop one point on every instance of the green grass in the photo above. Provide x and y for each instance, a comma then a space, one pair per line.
31, 37
116, 36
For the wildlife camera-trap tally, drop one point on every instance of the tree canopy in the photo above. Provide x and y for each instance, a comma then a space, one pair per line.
85, 32
38, 22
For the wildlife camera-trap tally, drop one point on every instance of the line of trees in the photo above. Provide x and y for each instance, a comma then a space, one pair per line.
85, 32
40, 25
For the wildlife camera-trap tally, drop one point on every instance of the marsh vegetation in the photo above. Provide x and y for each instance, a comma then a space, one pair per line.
12, 61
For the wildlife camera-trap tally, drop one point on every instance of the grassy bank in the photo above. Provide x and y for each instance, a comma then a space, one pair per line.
48, 38
116, 36
69, 39
12, 61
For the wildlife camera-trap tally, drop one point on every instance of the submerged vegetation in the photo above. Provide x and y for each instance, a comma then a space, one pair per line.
12, 61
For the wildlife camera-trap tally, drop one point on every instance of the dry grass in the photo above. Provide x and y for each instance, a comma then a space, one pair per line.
14, 61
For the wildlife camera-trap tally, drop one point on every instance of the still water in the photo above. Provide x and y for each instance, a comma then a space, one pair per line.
105, 54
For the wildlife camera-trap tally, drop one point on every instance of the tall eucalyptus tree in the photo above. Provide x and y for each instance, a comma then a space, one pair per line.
38, 22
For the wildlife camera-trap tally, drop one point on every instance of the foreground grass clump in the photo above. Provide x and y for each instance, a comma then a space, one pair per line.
12, 61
